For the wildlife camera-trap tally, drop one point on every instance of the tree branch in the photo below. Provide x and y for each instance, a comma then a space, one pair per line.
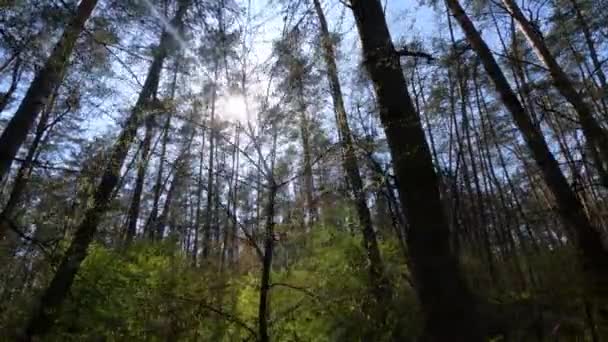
404, 52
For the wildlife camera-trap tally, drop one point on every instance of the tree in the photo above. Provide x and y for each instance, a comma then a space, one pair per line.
448, 303
379, 283
41, 88
591, 128
589, 242
42, 317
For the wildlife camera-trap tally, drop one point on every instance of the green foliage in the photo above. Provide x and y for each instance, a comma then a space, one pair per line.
147, 293
152, 292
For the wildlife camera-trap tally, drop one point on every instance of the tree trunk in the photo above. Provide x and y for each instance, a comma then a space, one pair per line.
139, 182
22, 175
229, 231
593, 255
595, 60
180, 168
209, 208
40, 89
446, 300
158, 185
310, 211
264, 308
199, 201
378, 281
8, 237
42, 318
591, 128
15, 76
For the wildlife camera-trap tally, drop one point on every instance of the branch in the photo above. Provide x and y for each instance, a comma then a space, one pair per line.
404, 52
228, 316
298, 288
47, 166
43, 245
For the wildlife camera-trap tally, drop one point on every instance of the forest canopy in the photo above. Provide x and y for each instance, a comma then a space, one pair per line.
303, 170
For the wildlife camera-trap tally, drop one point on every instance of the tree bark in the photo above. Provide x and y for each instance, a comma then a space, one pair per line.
158, 185
379, 283
311, 211
22, 175
180, 167
445, 298
139, 182
15, 76
591, 128
593, 255
209, 208
595, 60
199, 200
40, 89
43, 316
264, 305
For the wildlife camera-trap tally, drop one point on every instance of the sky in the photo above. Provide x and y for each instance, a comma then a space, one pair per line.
406, 20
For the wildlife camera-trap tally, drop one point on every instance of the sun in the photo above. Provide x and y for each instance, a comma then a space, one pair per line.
233, 108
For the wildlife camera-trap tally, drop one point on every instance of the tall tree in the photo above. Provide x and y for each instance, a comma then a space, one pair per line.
142, 166
53, 296
593, 255
592, 130
40, 89
350, 163
445, 298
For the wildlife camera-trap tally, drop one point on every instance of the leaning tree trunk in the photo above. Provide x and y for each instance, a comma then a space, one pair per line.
15, 76
158, 185
40, 89
43, 316
199, 201
180, 169
264, 305
378, 281
591, 128
21, 178
593, 255
582, 21
8, 231
139, 182
447, 302
311, 210
209, 208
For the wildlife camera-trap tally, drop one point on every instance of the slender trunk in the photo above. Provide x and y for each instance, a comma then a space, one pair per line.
459, 214
264, 306
591, 128
158, 185
597, 64
593, 255
40, 89
477, 196
265, 283
311, 212
446, 299
209, 208
229, 239
178, 179
379, 283
15, 76
199, 200
488, 126
139, 182
427, 122
216, 205
22, 175
43, 316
